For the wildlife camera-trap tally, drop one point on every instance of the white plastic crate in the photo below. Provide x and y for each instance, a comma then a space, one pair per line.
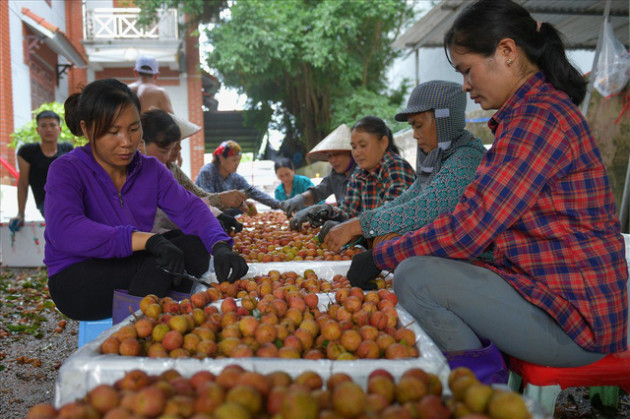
25, 248
87, 367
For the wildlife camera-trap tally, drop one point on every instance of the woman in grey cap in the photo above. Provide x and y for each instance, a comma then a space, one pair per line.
448, 157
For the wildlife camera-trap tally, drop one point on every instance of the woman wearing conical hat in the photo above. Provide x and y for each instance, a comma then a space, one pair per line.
335, 149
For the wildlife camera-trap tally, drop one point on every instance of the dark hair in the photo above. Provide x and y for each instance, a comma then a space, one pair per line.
158, 127
144, 74
480, 27
375, 125
283, 162
99, 104
47, 114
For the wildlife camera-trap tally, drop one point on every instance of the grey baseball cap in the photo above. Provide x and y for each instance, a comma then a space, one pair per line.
443, 97
448, 101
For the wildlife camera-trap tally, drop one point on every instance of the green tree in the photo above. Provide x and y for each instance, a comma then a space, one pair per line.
196, 10
27, 133
305, 65
306, 58
363, 102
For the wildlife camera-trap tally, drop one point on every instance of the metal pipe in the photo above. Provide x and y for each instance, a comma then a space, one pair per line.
417, 52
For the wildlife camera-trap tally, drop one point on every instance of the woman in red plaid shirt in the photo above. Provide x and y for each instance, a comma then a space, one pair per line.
553, 291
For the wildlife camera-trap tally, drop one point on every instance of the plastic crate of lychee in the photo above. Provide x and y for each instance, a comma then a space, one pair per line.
350, 325
235, 392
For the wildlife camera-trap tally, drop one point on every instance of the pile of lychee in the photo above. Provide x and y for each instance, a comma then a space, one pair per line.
356, 325
236, 393
266, 237
279, 284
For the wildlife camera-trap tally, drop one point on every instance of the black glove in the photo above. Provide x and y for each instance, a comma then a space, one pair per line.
225, 260
363, 271
293, 205
328, 225
166, 254
229, 223
318, 214
298, 219
276, 205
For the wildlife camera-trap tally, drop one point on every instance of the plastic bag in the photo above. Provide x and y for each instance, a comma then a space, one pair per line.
125, 304
613, 64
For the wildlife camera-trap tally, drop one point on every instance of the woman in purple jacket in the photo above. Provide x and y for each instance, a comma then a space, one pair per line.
102, 199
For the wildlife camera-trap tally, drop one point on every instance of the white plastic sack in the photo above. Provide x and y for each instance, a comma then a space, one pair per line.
613, 65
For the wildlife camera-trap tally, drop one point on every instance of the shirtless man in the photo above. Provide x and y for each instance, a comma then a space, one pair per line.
149, 93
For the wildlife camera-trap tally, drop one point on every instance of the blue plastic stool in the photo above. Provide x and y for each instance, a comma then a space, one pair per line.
89, 330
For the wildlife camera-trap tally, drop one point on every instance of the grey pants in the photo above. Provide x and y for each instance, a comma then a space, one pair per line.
456, 302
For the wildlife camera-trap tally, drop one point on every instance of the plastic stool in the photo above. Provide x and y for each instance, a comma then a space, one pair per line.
543, 384
89, 330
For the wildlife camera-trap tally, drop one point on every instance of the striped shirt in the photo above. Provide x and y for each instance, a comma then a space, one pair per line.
541, 200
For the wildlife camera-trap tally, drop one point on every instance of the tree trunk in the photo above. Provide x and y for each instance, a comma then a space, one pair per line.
368, 58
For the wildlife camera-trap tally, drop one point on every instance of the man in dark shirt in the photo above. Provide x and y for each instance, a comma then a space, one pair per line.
34, 160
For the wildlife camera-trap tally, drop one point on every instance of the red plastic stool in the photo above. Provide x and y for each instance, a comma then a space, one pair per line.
543, 384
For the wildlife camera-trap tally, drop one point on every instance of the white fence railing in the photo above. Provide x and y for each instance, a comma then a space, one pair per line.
122, 23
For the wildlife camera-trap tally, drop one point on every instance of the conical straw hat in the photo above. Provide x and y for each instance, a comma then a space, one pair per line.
186, 128
338, 140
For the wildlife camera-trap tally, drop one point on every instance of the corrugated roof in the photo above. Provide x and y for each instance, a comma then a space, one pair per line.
578, 20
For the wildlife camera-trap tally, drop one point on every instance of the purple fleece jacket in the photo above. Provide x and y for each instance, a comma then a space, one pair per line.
87, 218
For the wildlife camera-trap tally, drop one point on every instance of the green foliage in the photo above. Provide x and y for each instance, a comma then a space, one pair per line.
28, 132
309, 59
196, 10
363, 102
24, 303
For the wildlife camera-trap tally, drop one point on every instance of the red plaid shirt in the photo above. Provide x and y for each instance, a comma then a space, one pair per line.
367, 190
542, 202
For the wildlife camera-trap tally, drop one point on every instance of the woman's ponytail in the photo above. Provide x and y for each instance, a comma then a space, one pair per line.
554, 63
391, 146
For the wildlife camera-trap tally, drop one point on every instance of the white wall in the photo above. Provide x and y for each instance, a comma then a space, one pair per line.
55, 14
19, 69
